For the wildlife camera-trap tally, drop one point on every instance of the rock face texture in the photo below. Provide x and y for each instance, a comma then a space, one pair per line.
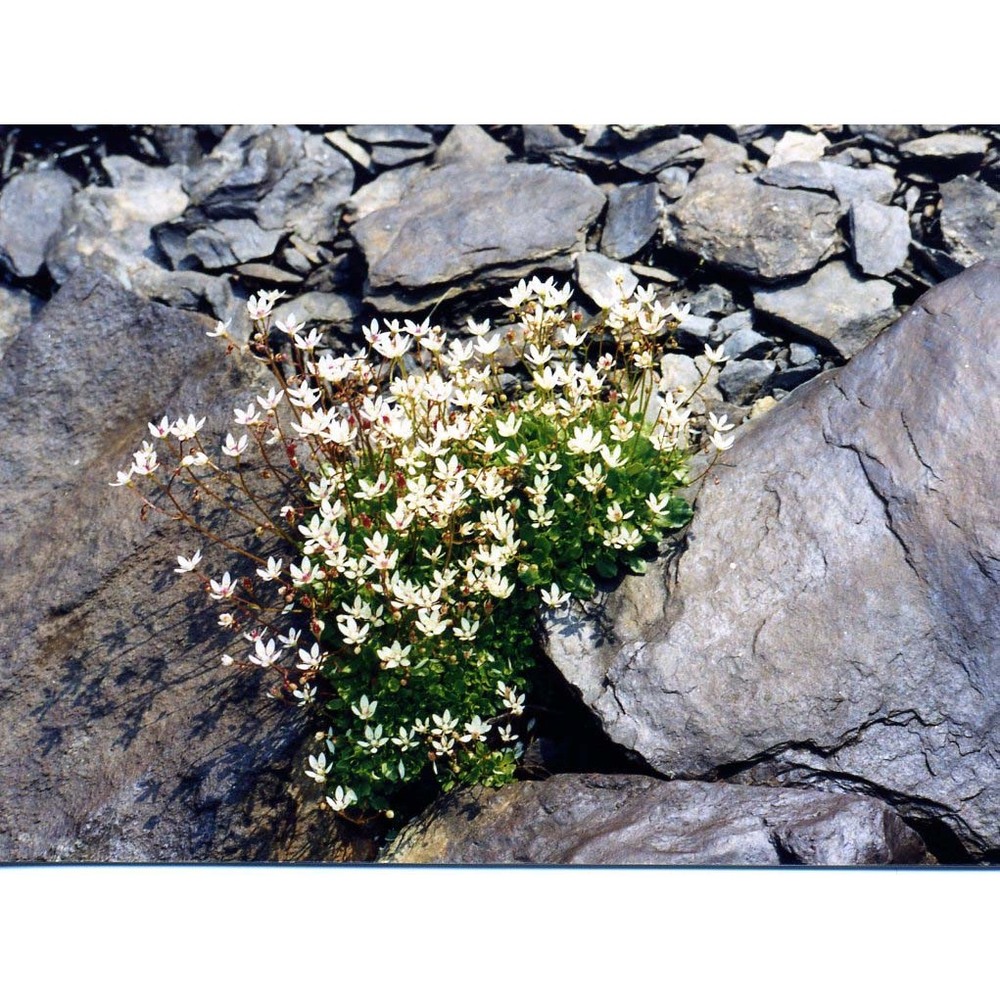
122, 738
834, 618
595, 819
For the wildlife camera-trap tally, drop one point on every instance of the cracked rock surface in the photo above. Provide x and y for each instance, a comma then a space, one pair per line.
617, 819
834, 617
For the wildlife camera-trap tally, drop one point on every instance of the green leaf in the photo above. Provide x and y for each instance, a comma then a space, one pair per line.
636, 563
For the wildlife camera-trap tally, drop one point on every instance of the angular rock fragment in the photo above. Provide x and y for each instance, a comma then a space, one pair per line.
798, 147
653, 159
597, 819
970, 220
216, 245
632, 220
604, 280
469, 144
108, 228
746, 343
31, 214
833, 307
761, 232
849, 184
947, 146
673, 182
392, 135
834, 617
742, 381
280, 176
541, 139
457, 224
880, 236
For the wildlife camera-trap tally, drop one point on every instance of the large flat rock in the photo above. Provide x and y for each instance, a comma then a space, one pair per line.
768, 233
834, 617
122, 737
454, 223
600, 819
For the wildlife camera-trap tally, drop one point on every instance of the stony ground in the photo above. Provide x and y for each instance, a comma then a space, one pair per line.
795, 247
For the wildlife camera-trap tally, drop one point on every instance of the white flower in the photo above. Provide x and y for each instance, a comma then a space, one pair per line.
476, 730
716, 356
537, 358
234, 448
509, 427
374, 740
722, 442
554, 597
160, 430
341, 799
467, 630
318, 768
221, 329
184, 430
585, 440
512, 701
443, 724
720, 424
506, 734
188, 565
305, 696
224, 589
264, 654
311, 660
273, 570
196, 458
394, 656
364, 709
123, 479
246, 417
353, 633
405, 740
305, 574
271, 400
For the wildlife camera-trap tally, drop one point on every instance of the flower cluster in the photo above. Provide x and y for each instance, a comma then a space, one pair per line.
435, 492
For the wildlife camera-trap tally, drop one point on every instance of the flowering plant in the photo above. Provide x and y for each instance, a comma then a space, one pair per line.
425, 498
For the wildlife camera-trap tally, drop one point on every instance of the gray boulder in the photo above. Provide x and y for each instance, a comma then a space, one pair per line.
834, 616
880, 237
597, 819
744, 380
798, 147
457, 224
216, 245
947, 146
471, 145
833, 306
652, 159
632, 221
285, 179
122, 737
108, 228
31, 212
970, 220
761, 232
